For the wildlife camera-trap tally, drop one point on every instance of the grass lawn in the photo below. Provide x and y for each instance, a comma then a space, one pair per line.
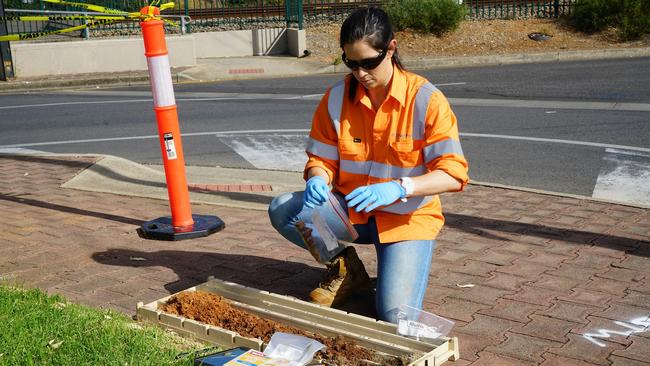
37, 329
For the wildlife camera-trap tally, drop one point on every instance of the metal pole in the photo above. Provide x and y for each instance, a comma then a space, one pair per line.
6, 64
86, 31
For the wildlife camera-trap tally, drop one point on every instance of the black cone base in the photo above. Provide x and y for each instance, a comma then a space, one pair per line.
162, 229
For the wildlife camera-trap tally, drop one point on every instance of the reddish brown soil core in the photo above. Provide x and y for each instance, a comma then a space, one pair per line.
213, 309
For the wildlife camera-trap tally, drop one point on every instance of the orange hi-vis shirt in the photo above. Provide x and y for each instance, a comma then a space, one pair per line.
413, 132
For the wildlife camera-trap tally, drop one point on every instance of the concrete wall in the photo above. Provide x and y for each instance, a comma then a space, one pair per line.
279, 41
296, 42
127, 54
223, 44
101, 55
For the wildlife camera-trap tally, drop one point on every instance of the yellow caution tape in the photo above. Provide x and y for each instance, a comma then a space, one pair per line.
24, 36
29, 18
91, 7
113, 15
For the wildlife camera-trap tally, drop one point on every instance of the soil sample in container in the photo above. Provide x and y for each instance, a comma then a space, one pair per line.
212, 309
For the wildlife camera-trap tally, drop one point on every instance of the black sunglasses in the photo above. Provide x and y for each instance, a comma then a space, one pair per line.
366, 63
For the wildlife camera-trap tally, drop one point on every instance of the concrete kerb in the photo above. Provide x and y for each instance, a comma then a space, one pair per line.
112, 174
229, 68
217, 69
83, 81
420, 63
116, 175
614, 53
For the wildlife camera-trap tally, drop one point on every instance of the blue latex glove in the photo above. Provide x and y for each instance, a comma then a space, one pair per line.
316, 192
370, 197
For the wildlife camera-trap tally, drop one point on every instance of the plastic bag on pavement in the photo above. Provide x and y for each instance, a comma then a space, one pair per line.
421, 325
297, 349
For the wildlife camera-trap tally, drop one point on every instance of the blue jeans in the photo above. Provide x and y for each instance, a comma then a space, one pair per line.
402, 267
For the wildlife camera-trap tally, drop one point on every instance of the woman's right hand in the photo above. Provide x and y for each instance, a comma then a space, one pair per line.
316, 191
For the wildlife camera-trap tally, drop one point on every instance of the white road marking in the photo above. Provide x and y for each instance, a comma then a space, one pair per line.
624, 176
245, 132
450, 84
74, 103
293, 131
84, 141
178, 99
550, 104
471, 102
21, 151
144, 137
556, 141
270, 152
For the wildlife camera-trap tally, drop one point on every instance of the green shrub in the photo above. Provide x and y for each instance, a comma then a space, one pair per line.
433, 16
634, 19
630, 17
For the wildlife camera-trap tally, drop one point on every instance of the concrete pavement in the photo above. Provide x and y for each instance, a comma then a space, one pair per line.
556, 280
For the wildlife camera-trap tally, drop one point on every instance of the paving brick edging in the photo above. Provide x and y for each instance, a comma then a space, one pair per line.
197, 187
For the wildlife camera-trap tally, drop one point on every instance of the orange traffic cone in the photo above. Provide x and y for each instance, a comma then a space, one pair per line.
182, 225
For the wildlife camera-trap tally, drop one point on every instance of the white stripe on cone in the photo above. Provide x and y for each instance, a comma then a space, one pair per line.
161, 81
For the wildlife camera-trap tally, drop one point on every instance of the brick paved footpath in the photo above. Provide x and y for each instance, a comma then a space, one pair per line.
546, 269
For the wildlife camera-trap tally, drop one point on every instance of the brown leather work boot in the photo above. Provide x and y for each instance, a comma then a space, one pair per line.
345, 275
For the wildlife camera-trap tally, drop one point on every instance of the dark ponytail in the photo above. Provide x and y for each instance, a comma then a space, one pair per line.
373, 26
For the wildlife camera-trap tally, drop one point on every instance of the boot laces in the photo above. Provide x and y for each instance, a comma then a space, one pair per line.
334, 279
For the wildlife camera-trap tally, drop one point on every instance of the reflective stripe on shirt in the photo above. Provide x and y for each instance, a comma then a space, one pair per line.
335, 105
440, 148
323, 150
380, 170
422, 99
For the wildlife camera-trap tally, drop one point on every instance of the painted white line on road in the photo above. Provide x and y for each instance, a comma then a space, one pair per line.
624, 176
550, 104
468, 102
450, 84
84, 141
270, 152
20, 151
225, 133
308, 96
259, 131
145, 137
74, 103
556, 141
131, 101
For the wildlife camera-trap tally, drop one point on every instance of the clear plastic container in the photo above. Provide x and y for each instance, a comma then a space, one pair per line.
294, 349
421, 325
330, 225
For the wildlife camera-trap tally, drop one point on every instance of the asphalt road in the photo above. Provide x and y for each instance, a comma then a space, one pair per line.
577, 127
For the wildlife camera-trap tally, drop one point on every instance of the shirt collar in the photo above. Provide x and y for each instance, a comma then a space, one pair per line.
397, 89
398, 86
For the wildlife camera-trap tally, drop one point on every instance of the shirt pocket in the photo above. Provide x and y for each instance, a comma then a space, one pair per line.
351, 150
407, 153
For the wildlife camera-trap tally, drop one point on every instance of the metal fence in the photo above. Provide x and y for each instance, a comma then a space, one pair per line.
214, 15
37, 7
505, 9
233, 14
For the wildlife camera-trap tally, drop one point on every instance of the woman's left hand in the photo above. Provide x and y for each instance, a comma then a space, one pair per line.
370, 197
